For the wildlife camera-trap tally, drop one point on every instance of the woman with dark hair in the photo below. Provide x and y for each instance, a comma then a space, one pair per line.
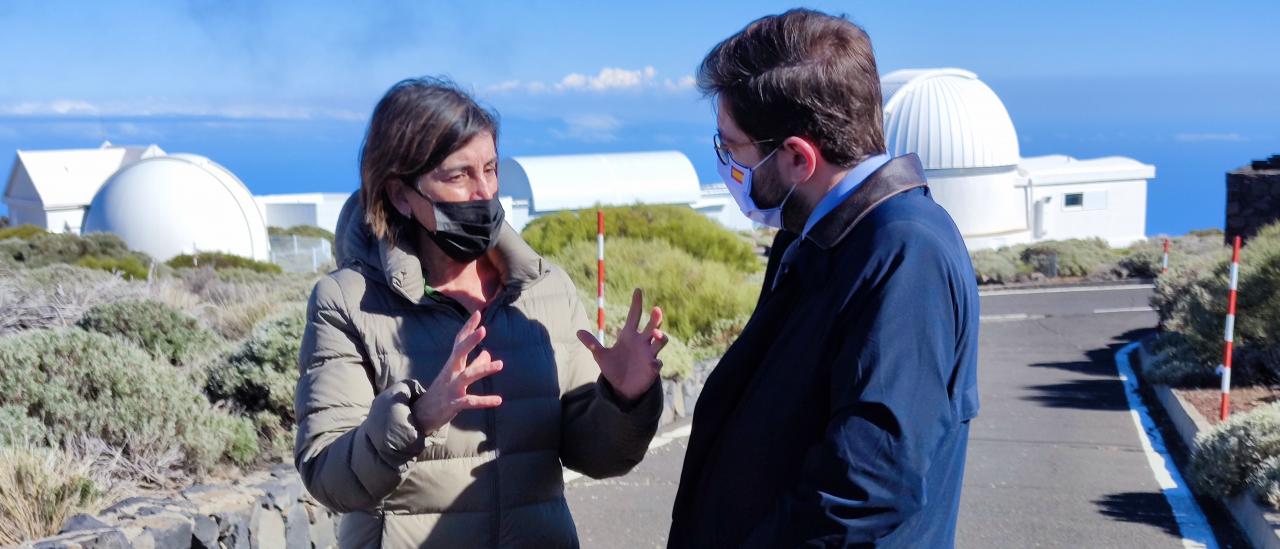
442, 389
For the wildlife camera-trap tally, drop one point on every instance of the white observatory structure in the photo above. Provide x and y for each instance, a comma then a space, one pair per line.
179, 204
967, 143
533, 186
51, 189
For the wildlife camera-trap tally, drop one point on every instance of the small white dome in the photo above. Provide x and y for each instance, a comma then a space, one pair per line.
179, 203
949, 118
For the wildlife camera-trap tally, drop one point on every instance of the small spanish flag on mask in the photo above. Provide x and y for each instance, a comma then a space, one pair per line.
737, 174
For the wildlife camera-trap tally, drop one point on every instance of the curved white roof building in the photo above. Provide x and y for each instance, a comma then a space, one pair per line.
176, 204
948, 117
532, 186
969, 148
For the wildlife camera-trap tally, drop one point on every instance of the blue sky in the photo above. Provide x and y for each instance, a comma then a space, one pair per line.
279, 91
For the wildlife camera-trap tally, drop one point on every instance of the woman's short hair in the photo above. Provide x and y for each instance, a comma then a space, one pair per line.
801, 73
416, 125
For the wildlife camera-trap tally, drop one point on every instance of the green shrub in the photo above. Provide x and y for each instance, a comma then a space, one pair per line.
693, 294
997, 266
129, 267
1265, 482
677, 359
1211, 233
1176, 364
84, 383
1075, 257
1196, 252
1192, 301
1225, 457
262, 374
16, 427
40, 489
679, 226
714, 342
219, 260
21, 232
164, 332
42, 248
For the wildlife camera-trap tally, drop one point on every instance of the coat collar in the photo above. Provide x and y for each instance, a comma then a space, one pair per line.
895, 177
400, 268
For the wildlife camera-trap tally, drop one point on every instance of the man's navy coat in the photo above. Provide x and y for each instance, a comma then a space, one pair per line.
840, 416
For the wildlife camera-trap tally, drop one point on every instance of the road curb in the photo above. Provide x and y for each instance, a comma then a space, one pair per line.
1259, 524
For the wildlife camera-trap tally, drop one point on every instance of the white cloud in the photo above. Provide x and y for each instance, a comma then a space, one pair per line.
154, 107
683, 83
589, 128
1231, 137
606, 80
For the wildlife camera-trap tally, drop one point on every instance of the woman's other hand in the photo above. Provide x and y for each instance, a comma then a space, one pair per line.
631, 365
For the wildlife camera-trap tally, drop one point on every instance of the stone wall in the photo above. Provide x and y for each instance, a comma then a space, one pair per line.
267, 509
1253, 198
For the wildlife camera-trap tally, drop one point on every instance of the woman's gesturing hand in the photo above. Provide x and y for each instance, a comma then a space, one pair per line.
447, 395
631, 365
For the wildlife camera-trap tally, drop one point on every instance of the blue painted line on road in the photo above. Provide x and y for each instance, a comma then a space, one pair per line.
1191, 521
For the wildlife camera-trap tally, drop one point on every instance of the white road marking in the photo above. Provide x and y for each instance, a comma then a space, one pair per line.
1013, 317
662, 439
1067, 289
1191, 522
1145, 309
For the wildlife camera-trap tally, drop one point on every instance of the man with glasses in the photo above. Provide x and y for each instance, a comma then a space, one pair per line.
840, 416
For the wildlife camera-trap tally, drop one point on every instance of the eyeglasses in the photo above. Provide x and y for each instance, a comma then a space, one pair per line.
722, 150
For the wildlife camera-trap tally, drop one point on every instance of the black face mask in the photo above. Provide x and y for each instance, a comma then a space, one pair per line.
466, 230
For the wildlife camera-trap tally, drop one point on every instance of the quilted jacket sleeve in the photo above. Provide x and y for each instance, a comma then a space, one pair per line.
601, 436
353, 447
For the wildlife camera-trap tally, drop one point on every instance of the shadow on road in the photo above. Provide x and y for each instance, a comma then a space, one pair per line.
1100, 390
1140, 507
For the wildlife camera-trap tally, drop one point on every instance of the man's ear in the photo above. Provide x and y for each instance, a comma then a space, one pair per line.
800, 161
398, 194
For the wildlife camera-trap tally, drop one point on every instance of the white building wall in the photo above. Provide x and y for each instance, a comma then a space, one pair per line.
65, 220
27, 213
289, 215
290, 210
982, 201
1114, 211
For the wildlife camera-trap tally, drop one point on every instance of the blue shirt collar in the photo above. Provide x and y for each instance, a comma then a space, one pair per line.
844, 188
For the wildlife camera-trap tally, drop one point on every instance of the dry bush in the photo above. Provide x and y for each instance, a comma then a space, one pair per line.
56, 295
1226, 457
40, 488
235, 300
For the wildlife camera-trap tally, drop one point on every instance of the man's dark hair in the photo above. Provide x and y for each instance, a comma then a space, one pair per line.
801, 73
416, 125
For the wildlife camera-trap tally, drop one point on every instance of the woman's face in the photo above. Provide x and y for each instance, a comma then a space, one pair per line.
470, 173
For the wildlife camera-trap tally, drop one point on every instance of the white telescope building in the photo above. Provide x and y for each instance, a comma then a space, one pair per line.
969, 148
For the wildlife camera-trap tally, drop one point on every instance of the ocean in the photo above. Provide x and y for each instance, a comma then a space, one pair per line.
1192, 149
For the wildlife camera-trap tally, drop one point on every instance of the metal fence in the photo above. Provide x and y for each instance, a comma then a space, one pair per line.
302, 254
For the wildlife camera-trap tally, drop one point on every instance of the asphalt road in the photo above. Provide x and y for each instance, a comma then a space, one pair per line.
1054, 457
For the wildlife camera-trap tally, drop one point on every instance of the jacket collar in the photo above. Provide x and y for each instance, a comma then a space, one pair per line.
400, 268
895, 177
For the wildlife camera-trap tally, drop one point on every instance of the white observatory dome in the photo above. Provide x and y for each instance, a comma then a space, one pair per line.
179, 203
949, 118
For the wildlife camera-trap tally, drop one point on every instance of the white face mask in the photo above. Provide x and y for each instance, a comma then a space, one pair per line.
738, 179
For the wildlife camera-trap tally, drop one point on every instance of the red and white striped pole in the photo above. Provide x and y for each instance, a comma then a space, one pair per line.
1164, 262
600, 276
1228, 333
